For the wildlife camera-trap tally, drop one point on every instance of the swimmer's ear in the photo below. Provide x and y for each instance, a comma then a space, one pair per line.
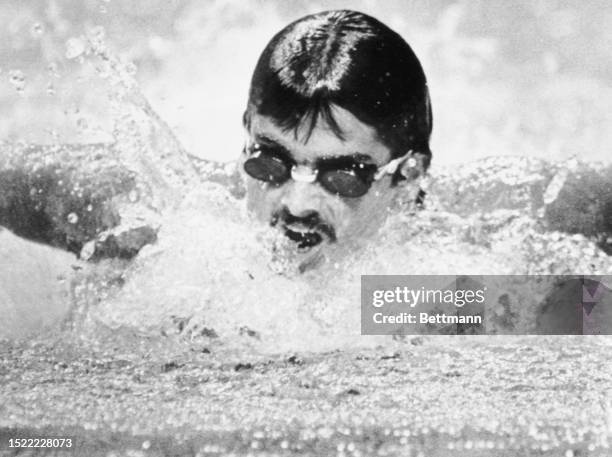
415, 165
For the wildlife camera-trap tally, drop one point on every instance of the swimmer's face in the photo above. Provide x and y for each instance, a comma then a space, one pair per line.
306, 212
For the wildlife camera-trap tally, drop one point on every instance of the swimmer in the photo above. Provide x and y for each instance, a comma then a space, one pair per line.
338, 123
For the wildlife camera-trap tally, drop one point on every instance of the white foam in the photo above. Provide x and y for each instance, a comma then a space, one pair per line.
218, 271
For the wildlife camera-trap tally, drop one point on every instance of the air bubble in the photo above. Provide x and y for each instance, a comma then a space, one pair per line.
73, 218
50, 89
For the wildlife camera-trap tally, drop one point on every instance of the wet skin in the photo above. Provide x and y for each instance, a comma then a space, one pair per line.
306, 212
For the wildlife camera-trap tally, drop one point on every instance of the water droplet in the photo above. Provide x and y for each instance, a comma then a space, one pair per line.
37, 29
73, 218
88, 250
52, 70
74, 48
97, 32
82, 123
103, 70
52, 133
17, 79
229, 168
89, 207
131, 69
146, 444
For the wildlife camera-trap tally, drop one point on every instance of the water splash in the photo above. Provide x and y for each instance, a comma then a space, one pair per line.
221, 276
18, 80
214, 274
75, 47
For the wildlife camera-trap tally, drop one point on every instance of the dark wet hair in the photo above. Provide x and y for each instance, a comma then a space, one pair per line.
351, 60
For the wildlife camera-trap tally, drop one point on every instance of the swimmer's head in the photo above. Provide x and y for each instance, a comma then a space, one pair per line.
338, 114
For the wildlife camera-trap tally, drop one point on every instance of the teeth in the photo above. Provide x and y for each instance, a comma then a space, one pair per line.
299, 228
305, 239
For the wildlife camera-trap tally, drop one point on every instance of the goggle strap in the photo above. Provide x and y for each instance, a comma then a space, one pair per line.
391, 167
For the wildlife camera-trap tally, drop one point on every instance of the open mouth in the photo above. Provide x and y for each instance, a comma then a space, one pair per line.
306, 232
304, 238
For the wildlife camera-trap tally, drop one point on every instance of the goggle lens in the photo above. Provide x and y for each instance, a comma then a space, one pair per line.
344, 183
267, 168
275, 170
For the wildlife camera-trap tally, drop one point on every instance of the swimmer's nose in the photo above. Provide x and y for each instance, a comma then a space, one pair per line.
302, 199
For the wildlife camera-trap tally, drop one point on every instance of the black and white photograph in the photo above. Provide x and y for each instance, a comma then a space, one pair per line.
343, 228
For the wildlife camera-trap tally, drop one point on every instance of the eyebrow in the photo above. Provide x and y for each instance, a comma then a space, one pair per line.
260, 138
356, 156
267, 141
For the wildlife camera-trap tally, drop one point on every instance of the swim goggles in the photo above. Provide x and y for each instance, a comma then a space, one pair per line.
343, 176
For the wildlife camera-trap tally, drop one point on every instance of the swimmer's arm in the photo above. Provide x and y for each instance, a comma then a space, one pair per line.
572, 196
